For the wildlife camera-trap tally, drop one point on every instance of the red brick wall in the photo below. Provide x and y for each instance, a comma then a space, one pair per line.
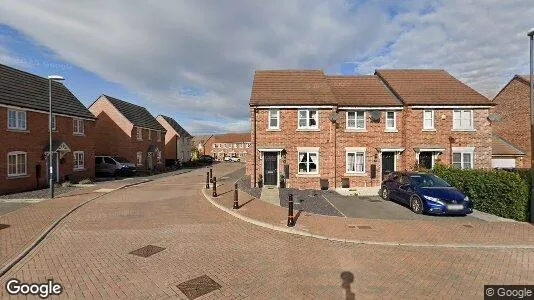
513, 105
171, 139
33, 142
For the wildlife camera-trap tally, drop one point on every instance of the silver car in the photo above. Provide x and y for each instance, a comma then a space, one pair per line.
113, 165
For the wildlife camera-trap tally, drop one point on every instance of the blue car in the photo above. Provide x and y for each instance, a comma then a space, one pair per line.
425, 193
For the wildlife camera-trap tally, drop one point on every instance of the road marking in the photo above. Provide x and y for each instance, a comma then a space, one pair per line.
334, 206
21, 200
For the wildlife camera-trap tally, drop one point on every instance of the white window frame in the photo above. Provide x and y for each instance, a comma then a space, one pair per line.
76, 162
355, 152
394, 128
276, 114
17, 171
54, 122
78, 126
432, 119
149, 135
139, 133
139, 156
307, 163
461, 126
18, 119
462, 151
159, 135
307, 118
355, 127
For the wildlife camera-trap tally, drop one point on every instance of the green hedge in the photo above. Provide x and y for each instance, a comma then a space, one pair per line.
502, 193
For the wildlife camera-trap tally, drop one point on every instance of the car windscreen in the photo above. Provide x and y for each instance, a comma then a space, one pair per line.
428, 180
120, 159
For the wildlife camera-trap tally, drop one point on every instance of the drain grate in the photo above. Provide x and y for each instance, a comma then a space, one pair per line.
467, 225
199, 286
147, 251
3, 226
364, 227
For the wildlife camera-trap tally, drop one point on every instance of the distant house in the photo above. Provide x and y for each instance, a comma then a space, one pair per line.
229, 144
505, 154
178, 142
24, 120
512, 104
128, 130
199, 143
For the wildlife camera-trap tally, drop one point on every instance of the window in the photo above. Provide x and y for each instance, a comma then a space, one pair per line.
78, 160
149, 134
139, 158
274, 119
355, 162
462, 120
16, 163
391, 123
16, 119
240, 145
53, 122
78, 126
308, 162
308, 119
462, 159
139, 134
248, 145
235, 145
159, 136
428, 119
158, 157
356, 120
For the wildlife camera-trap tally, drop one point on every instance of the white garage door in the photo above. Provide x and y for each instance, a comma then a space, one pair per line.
503, 162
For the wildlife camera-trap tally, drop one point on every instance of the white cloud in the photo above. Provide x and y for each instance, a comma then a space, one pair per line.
154, 49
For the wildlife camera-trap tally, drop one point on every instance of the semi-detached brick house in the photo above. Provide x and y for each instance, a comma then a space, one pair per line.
512, 104
354, 129
229, 145
24, 141
178, 142
128, 130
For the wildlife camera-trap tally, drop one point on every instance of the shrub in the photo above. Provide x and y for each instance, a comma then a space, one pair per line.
85, 181
498, 192
66, 184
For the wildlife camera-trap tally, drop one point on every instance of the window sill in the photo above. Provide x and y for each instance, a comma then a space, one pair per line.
356, 174
274, 129
78, 134
308, 175
308, 129
391, 130
430, 130
463, 130
18, 176
79, 169
18, 130
355, 130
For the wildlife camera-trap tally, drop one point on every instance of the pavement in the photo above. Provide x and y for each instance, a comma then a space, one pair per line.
89, 252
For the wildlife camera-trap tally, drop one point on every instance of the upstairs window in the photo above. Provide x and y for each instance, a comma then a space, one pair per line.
274, 119
428, 119
139, 134
53, 122
159, 135
308, 119
356, 120
391, 122
462, 120
16, 119
149, 135
78, 126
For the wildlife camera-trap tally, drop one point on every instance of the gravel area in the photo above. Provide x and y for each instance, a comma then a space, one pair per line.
308, 200
40, 194
244, 185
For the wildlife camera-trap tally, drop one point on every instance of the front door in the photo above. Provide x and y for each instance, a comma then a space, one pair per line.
270, 168
149, 160
388, 163
55, 167
425, 160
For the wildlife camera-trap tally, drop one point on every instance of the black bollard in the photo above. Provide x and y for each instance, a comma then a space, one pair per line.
207, 180
236, 203
290, 218
211, 175
214, 186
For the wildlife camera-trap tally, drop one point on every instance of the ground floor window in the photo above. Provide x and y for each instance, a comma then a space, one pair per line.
16, 163
79, 160
355, 162
158, 156
462, 158
139, 158
308, 162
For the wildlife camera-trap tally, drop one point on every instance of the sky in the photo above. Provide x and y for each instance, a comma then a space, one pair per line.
194, 60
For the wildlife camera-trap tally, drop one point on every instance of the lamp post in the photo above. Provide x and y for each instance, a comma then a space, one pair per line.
531, 35
50, 152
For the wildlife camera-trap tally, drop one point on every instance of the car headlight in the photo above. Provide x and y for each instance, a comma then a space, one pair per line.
434, 199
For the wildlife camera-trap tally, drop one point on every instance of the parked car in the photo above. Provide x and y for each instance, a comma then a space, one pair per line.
114, 165
206, 159
425, 193
232, 159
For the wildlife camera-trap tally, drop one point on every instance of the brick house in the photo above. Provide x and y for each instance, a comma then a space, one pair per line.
24, 121
512, 104
178, 142
199, 143
505, 154
128, 130
229, 144
352, 130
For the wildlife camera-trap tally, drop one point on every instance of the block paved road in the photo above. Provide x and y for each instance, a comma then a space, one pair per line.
88, 253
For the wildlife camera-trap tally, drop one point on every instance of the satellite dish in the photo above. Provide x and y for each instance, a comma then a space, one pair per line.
375, 115
494, 117
333, 117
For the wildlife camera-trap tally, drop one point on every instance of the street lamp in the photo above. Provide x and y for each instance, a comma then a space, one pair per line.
50, 160
531, 35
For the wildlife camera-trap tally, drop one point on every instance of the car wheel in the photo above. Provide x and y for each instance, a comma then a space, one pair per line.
416, 205
385, 193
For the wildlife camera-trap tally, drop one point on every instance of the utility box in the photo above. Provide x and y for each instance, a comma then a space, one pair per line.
373, 171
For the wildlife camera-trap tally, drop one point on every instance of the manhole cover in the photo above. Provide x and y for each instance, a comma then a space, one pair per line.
467, 225
147, 251
364, 227
199, 286
3, 226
